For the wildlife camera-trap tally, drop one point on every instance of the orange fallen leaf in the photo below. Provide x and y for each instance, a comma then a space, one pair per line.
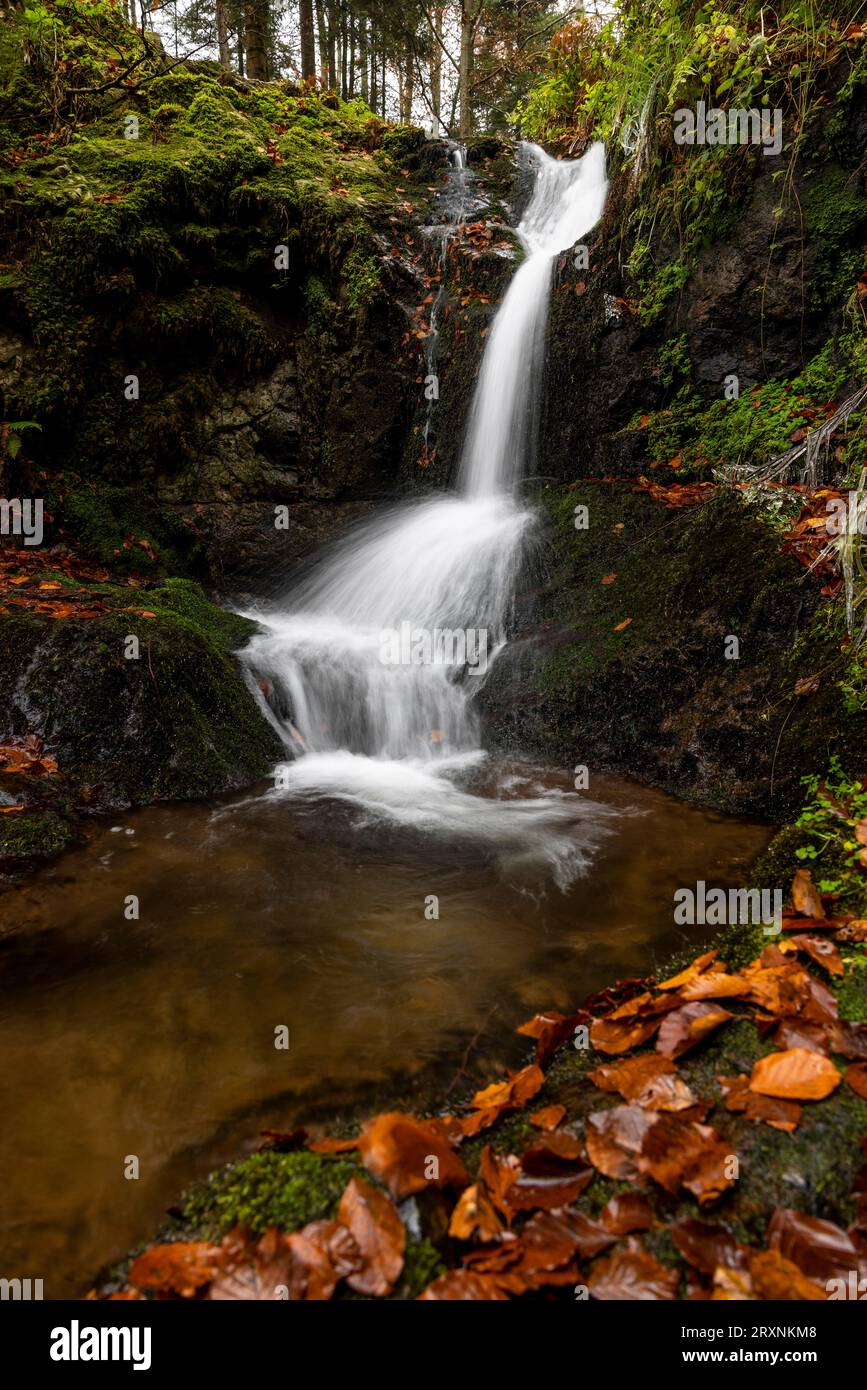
804, 895
180, 1267
621, 626
408, 1155
548, 1117
372, 1221
796, 1074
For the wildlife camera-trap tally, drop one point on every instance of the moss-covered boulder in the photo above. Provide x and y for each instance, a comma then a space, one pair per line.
623, 659
143, 702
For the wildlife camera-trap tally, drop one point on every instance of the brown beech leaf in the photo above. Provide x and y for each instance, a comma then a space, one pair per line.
548, 1117
463, 1285
649, 1080
614, 1139
731, 1285
819, 949
550, 1030
478, 1120
531, 1193
632, 1274
856, 1077
678, 1152
257, 1271
474, 1216
553, 1155
714, 984
685, 1027
804, 895
780, 1114
499, 1175
332, 1146
631, 1076
796, 1074
707, 1246
372, 1221
612, 1036
794, 1032
516, 1091
630, 1211
692, 972
776, 1278
820, 1249
180, 1267
397, 1149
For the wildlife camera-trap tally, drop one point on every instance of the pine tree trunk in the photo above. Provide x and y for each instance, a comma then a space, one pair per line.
469, 15
223, 35
436, 72
256, 38
308, 41
363, 59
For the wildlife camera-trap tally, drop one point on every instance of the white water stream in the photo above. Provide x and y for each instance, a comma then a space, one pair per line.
389, 725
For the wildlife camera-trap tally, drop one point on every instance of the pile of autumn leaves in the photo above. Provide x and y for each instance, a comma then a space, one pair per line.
515, 1229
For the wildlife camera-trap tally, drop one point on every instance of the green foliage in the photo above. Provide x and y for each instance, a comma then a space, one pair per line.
757, 425
835, 804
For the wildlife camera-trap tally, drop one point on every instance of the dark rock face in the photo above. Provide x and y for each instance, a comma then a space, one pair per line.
659, 698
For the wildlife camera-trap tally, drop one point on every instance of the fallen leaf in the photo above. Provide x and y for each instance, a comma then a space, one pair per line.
372, 1221
804, 895
632, 1274
179, 1267
796, 1074
706, 1246
463, 1285
474, 1216
548, 1117
630, 1211
774, 1277
685, 1027
398, 1149
856, 1077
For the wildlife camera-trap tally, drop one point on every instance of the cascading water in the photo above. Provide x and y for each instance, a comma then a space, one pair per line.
395, 738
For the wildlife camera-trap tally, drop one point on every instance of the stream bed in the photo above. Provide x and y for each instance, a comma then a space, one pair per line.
155, 1036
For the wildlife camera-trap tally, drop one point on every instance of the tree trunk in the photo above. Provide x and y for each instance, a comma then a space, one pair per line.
363, 59
469, 18
409, 87
242, 70
256, 37
436, 72
331, 40
382, 86
322, 36
223, 35
351, 52
308, 41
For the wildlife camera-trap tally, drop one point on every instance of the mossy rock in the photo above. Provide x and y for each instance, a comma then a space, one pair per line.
179, 721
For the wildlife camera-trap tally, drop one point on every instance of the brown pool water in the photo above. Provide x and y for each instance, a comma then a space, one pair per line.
155, 1036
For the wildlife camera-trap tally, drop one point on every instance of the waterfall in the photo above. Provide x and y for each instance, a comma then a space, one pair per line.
371, 662
567, 201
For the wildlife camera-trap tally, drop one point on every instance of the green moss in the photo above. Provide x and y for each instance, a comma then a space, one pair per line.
835, 215
362, 281
270, 1189
29, 835
422, 1264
